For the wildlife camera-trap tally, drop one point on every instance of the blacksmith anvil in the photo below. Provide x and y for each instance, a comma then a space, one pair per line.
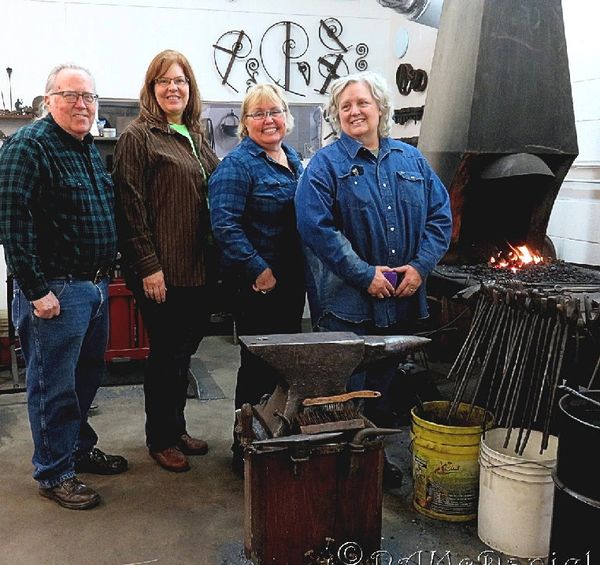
317, 364
301, 490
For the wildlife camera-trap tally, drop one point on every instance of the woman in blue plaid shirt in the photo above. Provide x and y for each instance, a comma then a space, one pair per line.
251, 197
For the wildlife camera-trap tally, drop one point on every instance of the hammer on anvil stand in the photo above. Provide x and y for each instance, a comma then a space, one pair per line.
317, 364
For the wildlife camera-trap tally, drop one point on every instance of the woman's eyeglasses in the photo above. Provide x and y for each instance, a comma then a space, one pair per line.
264, 115
177, 81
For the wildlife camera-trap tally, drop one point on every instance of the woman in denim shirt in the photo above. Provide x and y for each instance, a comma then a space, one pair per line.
251, 196
375, 220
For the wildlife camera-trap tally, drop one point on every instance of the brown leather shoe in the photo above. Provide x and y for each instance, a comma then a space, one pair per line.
192, 446
73, 494
171, 459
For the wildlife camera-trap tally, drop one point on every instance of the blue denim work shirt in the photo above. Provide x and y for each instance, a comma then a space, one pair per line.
251, 200
355, 211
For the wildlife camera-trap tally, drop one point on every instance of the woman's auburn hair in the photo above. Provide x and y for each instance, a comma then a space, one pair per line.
149, 107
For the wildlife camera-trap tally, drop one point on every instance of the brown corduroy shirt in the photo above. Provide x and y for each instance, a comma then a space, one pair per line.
161, 205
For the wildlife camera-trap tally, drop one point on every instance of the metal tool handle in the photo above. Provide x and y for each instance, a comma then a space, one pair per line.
572, 391
341, 397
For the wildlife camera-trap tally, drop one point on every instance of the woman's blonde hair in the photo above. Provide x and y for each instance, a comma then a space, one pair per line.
264, 93
380, 91
149, 107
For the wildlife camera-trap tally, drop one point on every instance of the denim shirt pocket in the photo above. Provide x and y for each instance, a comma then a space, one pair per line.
354, 192
411, 187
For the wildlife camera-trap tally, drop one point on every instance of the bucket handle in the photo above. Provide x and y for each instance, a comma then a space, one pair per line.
516, 464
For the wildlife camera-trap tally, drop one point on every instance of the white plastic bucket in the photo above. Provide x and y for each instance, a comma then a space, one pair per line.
516, 493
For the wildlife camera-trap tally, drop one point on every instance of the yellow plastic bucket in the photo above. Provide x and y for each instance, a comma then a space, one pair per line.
445, 460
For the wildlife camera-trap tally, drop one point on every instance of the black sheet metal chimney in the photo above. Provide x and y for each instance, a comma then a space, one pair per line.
498, 125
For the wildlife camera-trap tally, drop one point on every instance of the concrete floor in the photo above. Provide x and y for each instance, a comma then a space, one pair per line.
149, 515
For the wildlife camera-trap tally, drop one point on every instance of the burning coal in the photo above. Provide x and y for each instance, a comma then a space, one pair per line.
516, 258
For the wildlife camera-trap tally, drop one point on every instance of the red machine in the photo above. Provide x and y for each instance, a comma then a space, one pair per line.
127, 339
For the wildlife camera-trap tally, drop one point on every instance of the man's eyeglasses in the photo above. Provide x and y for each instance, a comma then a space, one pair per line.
177, 81
71, 96
264, 115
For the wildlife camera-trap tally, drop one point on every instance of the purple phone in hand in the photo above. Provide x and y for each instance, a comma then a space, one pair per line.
391, 276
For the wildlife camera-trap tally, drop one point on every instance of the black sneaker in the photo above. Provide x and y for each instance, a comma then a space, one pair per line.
73, 494
100, 463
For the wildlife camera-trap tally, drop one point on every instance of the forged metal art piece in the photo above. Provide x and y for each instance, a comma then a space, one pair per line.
292, 49
404, 115
252, 66
332, 69
408, 79
304, 69
240, 49
362, 50
329, 34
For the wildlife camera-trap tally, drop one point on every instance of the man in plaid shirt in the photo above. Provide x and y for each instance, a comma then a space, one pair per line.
58, 230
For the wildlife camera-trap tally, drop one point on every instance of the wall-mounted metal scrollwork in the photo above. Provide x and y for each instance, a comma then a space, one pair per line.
294, 45
331, 72
408, 79
404, 115
330, 30
252, 66
304, 68
237, 45
362, 50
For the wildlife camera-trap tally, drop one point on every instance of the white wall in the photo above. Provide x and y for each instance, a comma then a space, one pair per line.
117, 39
575, 221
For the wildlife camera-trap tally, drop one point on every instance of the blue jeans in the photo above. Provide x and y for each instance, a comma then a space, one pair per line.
378, 376
64, 358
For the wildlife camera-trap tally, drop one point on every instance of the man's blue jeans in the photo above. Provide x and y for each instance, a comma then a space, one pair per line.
64, 359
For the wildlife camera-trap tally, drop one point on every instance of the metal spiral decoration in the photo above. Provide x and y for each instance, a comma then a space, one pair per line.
330, 31
292, 48
252, 66
304, 69
362, 50
240, 48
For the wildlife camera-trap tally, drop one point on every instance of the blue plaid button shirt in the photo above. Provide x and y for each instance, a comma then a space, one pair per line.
56, 206
252, 209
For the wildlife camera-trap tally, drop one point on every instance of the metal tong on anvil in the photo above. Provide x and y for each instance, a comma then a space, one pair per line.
316, 365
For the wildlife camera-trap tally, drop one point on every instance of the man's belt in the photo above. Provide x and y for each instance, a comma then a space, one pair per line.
94, 276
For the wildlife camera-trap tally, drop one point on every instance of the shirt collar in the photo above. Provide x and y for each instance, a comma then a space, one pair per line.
353, 146
160, 124
255, 149
66, 136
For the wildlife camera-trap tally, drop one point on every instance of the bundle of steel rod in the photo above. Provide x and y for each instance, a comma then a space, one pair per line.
514, 354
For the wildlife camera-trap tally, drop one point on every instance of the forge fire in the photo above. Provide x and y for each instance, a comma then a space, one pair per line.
515, 258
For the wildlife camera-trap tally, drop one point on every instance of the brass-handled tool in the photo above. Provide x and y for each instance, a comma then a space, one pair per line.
340, 397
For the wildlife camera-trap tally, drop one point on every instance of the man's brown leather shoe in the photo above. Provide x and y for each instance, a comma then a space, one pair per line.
73, 494
171, 459
192, 446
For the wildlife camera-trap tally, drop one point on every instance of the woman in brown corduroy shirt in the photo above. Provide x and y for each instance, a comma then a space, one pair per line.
162, 165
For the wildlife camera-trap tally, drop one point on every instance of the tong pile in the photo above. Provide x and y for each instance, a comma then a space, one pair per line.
514, 354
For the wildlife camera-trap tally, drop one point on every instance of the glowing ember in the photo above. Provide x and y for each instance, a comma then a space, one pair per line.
515, 259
